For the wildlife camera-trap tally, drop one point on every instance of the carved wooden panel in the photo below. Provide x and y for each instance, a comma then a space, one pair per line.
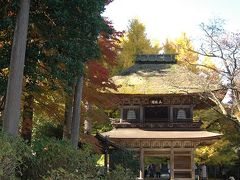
177, 144
146, 144
157, 100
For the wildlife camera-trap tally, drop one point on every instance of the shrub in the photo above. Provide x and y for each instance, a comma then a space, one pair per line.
14, 153
126, 159
120, 173
58, 157
52, 159
61, 174
47, 129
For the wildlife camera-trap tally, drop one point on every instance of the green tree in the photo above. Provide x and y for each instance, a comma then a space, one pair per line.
62, 37
134, 43
74, 28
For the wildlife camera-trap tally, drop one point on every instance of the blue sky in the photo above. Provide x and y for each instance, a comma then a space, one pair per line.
169, 18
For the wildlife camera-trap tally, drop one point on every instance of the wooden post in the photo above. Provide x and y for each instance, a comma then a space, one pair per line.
172, 164
141, 114
171, 114
121, 114
106, 160
193, 164
106, 154
141, 175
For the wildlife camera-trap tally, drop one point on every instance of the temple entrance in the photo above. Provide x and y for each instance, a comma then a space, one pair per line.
157, 167
167, 163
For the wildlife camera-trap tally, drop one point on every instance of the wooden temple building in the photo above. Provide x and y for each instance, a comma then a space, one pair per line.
156, 100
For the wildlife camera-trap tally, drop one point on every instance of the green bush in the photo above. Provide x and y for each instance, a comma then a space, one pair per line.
47, 129
125, 158
53, 158
14, 153
61, 174
120, 173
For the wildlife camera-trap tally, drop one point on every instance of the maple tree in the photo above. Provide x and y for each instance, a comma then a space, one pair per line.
98, 73
96, 81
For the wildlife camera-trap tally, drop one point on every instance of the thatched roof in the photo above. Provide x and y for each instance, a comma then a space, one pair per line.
159, 78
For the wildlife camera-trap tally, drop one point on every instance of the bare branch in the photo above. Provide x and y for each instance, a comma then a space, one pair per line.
218, 103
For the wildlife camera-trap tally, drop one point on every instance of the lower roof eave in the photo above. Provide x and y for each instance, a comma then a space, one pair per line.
141, 134
168, 139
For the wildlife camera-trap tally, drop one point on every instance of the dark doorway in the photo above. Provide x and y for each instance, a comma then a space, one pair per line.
156, 114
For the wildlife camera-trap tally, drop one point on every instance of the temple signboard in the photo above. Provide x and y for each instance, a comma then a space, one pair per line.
155, 100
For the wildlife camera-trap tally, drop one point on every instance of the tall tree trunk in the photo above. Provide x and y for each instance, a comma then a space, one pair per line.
68, 116
76, 112
11, 115
26, 131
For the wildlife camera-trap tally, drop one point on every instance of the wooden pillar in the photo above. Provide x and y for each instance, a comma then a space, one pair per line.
171, 114
172, 164
193, 164
106, 162
141, 174
141, 114
121, 114
106, 156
